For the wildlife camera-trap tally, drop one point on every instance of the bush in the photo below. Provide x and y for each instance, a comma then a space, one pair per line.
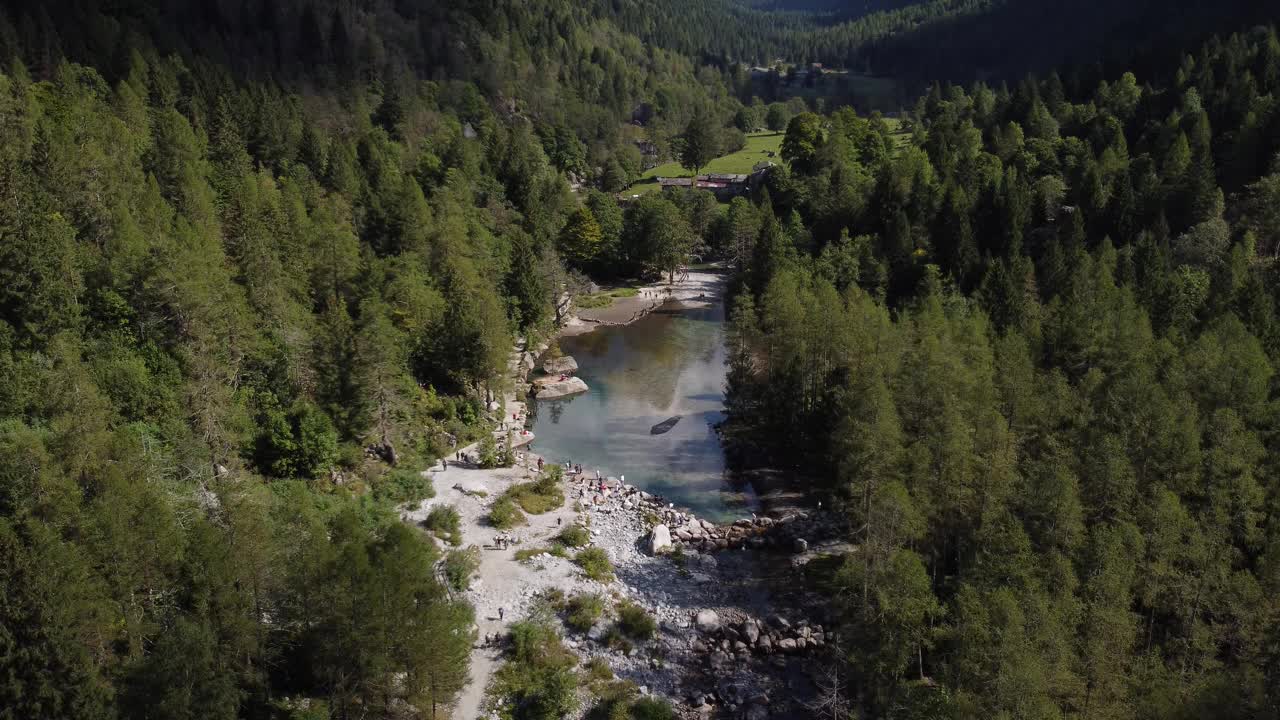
504, 514
613, 699
635, 622
616, 641
538, 679
460, 565
488, 451
300, 443
574, 536
651, 708
598, 670
584, 610
595, 564
541, 496
444, 521
402, 486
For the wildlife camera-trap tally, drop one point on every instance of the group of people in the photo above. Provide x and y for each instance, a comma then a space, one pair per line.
491, 639
501, 542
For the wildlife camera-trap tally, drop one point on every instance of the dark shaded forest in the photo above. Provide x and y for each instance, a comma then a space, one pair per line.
1031, 355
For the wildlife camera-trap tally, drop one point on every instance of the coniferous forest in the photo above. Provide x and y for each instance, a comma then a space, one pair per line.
263, 263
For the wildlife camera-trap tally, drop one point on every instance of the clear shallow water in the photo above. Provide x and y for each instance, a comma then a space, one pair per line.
670, 362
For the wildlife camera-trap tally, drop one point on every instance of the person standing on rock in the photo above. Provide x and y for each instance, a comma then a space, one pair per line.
501, 614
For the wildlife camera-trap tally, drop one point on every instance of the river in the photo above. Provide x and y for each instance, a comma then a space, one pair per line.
670, 362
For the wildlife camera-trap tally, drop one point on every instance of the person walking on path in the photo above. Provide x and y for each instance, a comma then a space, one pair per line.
501, 614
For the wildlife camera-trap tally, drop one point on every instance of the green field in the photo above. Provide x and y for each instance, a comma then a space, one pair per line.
759, 145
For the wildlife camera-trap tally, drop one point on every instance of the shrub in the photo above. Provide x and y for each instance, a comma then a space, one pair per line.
613, 699
300, 443
584, 610
598, 670
402, 486
651, 708
615, 640
538, 678
538, 497
574, 536
595, 564
529, 553
444, 521
488, 451
635, 622
504, 514
460, 565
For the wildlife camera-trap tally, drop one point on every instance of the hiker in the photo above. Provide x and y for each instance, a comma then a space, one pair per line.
501, 613
539, 464
559, 521
444, 463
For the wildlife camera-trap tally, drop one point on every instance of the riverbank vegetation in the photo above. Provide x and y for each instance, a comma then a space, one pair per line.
1031, 358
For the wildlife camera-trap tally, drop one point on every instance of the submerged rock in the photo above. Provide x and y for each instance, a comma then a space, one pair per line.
665, 425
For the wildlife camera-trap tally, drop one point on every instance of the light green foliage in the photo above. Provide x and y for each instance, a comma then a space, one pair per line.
581, 238
504, 514
757, 150
802, 142
584, 611
537, 682
574, 536
635, 622
595, 564
444, 521
460, 566
488, 451
402, 486
299, 443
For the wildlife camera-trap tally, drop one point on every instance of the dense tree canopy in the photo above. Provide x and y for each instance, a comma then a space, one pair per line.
1031, 357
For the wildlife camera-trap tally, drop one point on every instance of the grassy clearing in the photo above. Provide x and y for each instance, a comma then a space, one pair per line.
759, 145
504, 514
605, 298
537, 497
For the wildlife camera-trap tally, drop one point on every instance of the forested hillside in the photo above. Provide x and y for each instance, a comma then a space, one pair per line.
260, 265
1032, 358
263, 263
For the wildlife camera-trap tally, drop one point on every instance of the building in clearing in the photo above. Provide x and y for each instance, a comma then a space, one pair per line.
725, 186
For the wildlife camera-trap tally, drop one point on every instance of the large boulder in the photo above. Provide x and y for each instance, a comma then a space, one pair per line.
560, 365
708, 621
660, 540
561, 388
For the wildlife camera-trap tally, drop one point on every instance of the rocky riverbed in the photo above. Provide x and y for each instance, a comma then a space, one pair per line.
724, 646
734, 638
